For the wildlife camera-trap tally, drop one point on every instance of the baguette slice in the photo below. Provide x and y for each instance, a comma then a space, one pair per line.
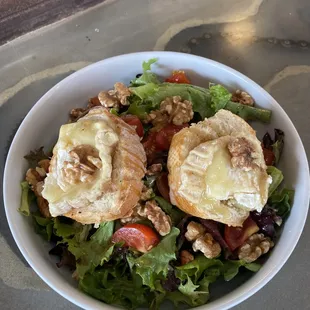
115, 188
217, 170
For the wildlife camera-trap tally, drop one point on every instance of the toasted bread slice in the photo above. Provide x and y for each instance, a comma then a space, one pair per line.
110, 192
210, 179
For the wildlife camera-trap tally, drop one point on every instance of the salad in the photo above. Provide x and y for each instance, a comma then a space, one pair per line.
158, 189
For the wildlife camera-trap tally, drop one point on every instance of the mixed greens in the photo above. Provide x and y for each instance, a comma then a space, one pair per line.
121, 275
149, 92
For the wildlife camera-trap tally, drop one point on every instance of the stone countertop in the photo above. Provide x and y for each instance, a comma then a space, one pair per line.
266, 40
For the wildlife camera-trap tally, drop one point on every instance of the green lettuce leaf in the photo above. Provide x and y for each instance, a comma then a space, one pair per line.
146, 77
179, 298
139, 106
220, 96
231, 268
190, 290
158, 299
66, 230
220, 99
205, 104
197, 267
278, 146
154, 265
153, 94
43, 226
26, 198
175, 214
114, 111
88, 253
196, 277
282, 201
114, 286
146, 65
277, 178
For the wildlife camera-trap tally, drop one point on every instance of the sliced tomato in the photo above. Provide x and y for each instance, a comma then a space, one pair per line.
269, 156
178, 77
137, 236
165, 135
134, 121
163, 186
149, 144
235, 236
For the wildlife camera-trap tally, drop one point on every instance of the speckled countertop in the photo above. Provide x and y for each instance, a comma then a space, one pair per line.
268, 40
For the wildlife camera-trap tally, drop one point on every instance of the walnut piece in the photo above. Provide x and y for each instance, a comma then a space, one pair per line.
41, 171
108, 101
152, 212
172, 110
43, 207
207, 245
202, 241
93, 102
254, 247
243, 154
44, 163
85, 163
194, 231
76, 114
147, 193
35, 180
133, 216
122, 92
186, 257
154, 169
115, 97
242, 97
157, 216
33, 177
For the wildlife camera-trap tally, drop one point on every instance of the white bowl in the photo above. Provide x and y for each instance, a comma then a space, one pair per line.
41, 125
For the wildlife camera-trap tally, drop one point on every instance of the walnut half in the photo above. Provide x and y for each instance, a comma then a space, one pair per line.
202, 241
172, 110
186, 257
194, 231
151, 211
116, 97
243, 154
147, 193
157, 216
85, 162
35, 180
254, 247
207, 245
242, 97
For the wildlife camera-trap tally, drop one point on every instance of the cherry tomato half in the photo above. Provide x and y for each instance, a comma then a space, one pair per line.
164, 136
149, 144
178, 77
235, 236
163, 186
134, 121
138, 236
